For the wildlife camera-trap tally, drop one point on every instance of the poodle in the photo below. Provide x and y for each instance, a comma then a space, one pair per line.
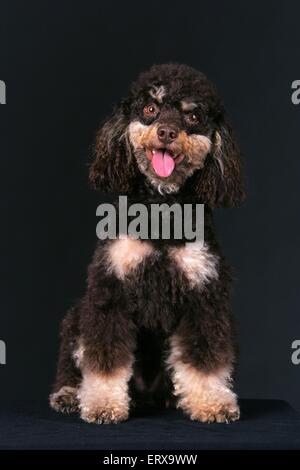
155, 328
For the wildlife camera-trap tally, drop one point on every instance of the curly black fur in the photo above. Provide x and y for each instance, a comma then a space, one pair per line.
118, 318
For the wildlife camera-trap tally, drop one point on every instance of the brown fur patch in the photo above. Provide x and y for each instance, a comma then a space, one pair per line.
142, 136
195, 146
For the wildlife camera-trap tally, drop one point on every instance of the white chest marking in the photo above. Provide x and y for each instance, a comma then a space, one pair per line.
196, 262
124, 255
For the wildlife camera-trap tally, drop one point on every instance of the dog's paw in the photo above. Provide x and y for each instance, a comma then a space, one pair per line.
65, 400
104, 415
103, 397
216, 412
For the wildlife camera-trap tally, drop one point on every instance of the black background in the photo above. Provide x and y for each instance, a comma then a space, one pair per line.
65, 63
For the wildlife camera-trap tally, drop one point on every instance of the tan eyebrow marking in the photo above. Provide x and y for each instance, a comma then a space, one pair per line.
188, 105
158, 93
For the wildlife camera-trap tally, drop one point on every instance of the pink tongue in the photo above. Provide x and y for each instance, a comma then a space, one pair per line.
163, 164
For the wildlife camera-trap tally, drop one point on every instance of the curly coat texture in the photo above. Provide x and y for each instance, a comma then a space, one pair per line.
155, 323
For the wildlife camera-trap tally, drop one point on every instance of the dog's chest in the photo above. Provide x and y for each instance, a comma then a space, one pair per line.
130, 259
156, 280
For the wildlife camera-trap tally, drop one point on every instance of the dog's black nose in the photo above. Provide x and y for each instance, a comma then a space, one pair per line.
167, 134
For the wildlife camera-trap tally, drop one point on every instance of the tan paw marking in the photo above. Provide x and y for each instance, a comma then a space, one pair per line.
111, 414
210, 411
104, 397
65, 400
124, 255
196, 262
205, 397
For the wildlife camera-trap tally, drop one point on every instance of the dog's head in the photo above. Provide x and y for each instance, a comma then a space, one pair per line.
172, 130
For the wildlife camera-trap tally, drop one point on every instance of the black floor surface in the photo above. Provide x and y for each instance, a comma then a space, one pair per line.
264, 424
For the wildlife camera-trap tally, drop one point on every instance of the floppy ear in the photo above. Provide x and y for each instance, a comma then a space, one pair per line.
113, 168
219, 183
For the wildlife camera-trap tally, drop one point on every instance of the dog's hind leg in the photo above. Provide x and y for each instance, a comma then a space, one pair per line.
68, 376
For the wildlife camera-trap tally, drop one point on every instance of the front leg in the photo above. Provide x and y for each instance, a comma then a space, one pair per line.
105, 357
106, 347
202, 350
205, 395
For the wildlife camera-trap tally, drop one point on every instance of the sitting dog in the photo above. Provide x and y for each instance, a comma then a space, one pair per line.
154, 327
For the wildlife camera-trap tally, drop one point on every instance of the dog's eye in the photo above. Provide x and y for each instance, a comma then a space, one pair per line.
151, 110
192, 118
